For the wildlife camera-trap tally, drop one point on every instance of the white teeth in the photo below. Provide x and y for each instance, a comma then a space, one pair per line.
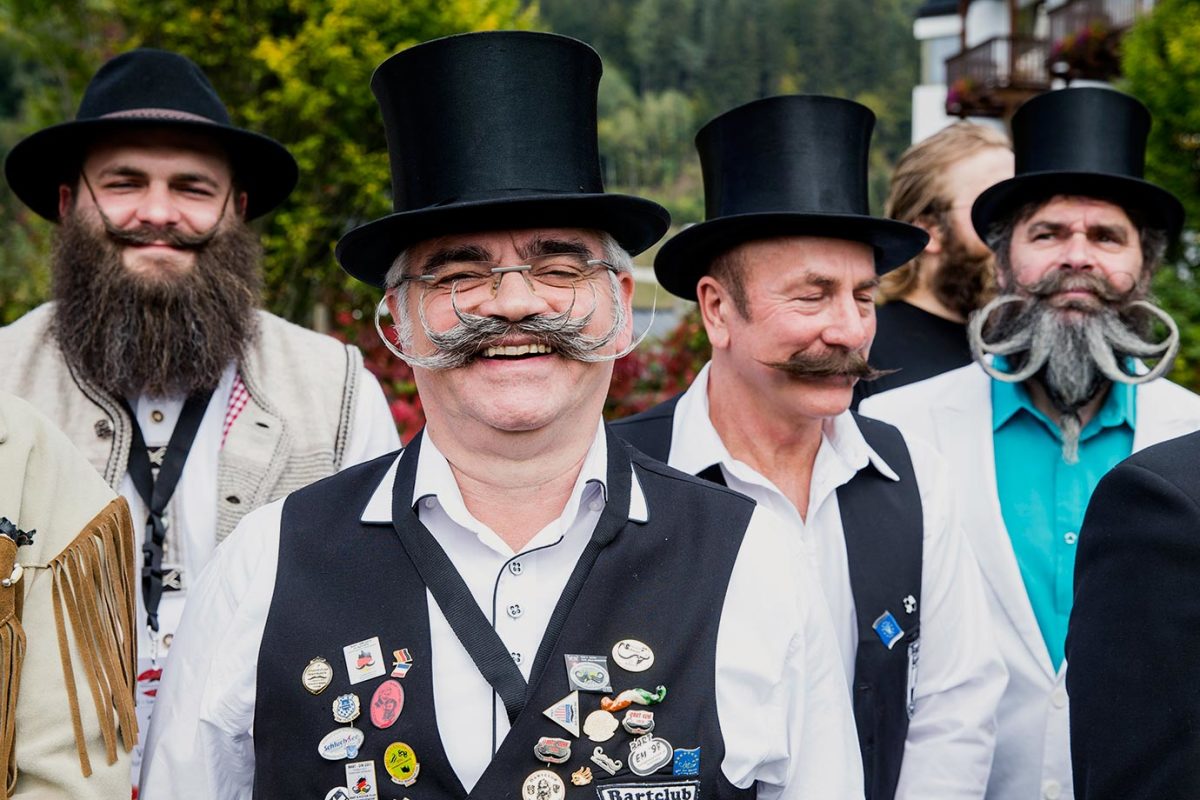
516, 350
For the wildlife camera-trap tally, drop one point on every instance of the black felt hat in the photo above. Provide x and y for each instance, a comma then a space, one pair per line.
1086, 141
784, 166
493, 131
147, 89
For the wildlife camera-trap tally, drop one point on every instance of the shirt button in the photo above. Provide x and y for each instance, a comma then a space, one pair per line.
1051, 790
596, 505
516, 657
1059, 698
429, 502
156, 415
1070, 537
515, 611
515, 567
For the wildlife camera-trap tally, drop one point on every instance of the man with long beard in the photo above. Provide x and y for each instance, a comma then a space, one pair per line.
1058, 394
924, 304
785, 269
517, 562
155, 358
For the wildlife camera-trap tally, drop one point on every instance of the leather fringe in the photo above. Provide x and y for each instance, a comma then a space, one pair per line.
12, 655
93, 586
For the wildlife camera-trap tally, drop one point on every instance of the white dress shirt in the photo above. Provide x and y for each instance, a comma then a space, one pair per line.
782, 700
961, 675
192, 511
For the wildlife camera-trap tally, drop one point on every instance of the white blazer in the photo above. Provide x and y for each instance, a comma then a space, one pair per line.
953, 411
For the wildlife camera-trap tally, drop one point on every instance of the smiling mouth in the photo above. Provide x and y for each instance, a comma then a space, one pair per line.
517, 350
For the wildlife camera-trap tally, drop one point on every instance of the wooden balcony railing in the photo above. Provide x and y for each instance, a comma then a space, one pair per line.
994, 77
1074, 16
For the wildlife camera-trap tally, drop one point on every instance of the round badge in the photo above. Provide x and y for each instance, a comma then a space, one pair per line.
401, 763
600, 726
648, 754
317, 675
341, 743
346, 708
543, 785
386, 704
632, 655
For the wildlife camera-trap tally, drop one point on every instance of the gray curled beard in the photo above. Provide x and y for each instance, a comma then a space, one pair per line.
1074, 358
562, 332
166, 336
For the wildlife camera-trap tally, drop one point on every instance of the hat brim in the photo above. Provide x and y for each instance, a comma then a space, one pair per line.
368, 251
37, 165
997, 203
686, 257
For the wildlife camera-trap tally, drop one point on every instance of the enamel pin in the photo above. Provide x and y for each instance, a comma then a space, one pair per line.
401, 763
386, 704
648, 754
543, 785
600, 726
638, 722
346, 708
317, 675
642, 697
401, 662
632, 655
552, 751
566, 713
341, 743
364, 660
588, 673
609, 765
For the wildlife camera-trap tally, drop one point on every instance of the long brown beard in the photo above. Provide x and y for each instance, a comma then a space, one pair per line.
963, 281
166, 335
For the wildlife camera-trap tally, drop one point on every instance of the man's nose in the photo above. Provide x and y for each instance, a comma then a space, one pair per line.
1077, 252
514, 298
847, 327
156, 207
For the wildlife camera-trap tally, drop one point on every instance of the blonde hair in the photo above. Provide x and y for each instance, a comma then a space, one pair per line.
917, 190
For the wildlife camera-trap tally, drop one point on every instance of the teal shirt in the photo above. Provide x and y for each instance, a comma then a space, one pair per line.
1043, 498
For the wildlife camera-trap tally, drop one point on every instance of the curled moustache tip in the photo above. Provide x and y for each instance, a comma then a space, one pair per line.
1170, 345
980, 348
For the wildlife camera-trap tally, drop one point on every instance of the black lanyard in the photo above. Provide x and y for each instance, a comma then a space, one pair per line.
466, 619
157, 493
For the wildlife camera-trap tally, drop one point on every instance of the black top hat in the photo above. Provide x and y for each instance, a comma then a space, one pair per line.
148, 89
784, 166
491, 131
1086, 141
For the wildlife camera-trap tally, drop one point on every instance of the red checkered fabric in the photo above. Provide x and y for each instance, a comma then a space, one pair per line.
237, 401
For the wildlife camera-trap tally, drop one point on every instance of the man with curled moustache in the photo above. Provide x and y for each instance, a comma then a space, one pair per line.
1058, 394
515, 533
785, 269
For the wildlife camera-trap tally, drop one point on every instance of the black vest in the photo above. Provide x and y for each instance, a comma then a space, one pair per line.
341, 581
883, 527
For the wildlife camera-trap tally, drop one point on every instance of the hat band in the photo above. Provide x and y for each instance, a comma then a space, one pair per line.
158, 113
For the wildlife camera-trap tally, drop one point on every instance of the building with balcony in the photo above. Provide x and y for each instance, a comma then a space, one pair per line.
981, 59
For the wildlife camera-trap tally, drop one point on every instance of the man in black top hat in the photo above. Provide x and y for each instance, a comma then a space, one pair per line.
785, 270
517, 562
155, 357
1057, 395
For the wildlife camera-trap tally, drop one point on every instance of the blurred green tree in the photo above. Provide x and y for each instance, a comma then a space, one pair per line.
1161, 64
299, 71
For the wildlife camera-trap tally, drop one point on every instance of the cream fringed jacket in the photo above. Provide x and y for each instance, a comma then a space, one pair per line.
66, 623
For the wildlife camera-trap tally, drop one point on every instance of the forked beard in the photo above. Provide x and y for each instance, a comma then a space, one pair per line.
165, 335
963, 281
1075, 351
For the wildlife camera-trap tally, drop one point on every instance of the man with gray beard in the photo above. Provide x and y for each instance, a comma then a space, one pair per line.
155, 358
1059, 392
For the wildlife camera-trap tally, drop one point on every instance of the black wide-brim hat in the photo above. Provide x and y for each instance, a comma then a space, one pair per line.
794, 165
148, 88
1089, 142
493, 131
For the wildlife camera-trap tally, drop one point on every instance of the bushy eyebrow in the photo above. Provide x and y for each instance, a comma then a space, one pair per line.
827, 284
1117, 231
540, 246
125, 171
461, 252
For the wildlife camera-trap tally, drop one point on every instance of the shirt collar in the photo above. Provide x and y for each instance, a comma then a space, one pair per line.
435, 478
1119, 407
696, 445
